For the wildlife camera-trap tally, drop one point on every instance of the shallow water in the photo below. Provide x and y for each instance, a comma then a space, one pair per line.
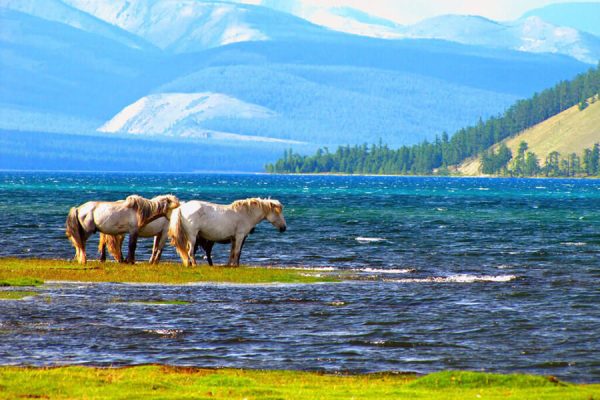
492, 274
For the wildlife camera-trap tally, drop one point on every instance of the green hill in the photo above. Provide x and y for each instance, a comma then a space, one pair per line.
571, 131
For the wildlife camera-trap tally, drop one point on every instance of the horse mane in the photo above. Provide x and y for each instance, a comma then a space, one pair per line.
267, 205
147, 209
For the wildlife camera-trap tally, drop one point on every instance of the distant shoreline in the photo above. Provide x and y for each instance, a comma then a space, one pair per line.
251, 173
428, 176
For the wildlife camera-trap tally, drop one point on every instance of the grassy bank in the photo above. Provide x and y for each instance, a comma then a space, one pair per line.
29, 272
175, 383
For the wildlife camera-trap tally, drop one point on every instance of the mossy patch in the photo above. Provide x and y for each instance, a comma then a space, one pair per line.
16, 294
467, 379
21, 281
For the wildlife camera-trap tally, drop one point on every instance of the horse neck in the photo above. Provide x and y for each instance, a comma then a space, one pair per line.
156, 212
257, 214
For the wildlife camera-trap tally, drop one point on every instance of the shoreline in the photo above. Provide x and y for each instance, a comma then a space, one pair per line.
262, 173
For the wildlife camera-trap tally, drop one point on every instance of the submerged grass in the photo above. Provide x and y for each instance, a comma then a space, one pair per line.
39, 270
16, 294
154, 381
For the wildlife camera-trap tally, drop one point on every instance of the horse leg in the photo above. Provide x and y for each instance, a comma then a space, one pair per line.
237, 261
82, 256
161, 245
154, 249
236, 246
207, 246
103, 253
208, 250
118, 250
133, 236
192, 251
231, 253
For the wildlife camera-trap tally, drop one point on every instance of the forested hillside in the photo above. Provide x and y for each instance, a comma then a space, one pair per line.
427, 157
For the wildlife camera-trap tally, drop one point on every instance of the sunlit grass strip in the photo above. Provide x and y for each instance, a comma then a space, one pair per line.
16, 294
21, 281
166, 273
163, 382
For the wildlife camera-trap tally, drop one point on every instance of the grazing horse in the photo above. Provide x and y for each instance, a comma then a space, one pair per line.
115, 218
209, 223
157, 229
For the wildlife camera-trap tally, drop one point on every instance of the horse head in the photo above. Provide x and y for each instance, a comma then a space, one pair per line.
274, 214
166, 204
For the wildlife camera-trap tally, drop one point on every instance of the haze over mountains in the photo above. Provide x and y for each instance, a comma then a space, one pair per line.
224, 74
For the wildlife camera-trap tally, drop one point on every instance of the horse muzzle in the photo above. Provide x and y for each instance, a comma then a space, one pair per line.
282, 229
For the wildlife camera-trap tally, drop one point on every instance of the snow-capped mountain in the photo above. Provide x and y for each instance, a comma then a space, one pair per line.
190, 25
341, 19
531, 34
194, 25
584, 17
182, 115
57, 11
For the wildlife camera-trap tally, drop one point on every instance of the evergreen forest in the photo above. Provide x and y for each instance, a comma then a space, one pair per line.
437, 156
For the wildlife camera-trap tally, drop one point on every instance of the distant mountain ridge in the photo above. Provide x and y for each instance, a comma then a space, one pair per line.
530, 34
189, 26
58, 11
581, 16
570, 29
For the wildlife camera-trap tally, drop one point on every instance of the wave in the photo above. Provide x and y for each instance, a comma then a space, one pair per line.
461, 278
318, 269
369, 239
577, 244
387, 271
168, 333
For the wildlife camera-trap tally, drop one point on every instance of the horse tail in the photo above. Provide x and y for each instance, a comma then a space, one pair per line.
74, 232
178, 236
113, 245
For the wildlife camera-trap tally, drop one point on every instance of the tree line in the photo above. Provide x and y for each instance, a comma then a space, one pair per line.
436, 156
527, 163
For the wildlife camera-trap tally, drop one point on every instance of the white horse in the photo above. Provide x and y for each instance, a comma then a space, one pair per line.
115, 218
157, 229
208, 223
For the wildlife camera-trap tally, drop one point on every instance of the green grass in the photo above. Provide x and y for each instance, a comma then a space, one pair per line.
21, 281
16, 295
154, 381
13, 270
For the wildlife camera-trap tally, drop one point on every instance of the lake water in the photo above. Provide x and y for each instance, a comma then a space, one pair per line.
483, 274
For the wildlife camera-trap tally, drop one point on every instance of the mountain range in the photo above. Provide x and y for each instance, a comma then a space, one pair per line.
228, 74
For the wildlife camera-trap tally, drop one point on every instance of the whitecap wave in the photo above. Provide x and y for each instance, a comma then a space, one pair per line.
170, 333
461, 278
369, 239
387, 271
576, 244
318, 269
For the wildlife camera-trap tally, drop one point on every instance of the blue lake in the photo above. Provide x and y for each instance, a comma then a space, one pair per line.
482, 274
